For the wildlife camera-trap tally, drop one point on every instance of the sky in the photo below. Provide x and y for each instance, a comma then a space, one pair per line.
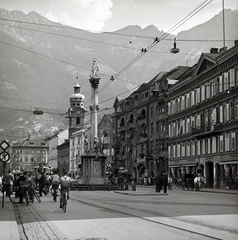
112, 15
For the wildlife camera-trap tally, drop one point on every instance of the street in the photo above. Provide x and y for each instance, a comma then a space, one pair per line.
116, 215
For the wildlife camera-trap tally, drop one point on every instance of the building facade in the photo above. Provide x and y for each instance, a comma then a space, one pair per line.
203, 119
54, 141
140, 125
28, 154
105, 132
76, 115
63, 157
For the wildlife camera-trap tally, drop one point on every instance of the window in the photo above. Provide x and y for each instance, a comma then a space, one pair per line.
236, 77
152, 128
169, 152
188, 149
174, 151
227, 142
221, 114
236, 109
183, 149
220, 84
203, 146
226, 86
221, 143
208, 146
198, 147
232, 78
198, 95
207, 91
203, 93
182, 103
77, 120
152, 111
233, 141
214, 147
192, 98
193, 148
178, 150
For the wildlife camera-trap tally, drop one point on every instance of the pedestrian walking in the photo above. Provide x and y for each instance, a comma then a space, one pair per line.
145, 181
20, 193
8, 182
158, 182
165, 182
42, 184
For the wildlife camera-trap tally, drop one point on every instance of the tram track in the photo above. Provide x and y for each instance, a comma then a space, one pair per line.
115, 205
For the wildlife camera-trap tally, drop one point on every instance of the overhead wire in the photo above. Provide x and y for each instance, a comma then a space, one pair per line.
143, 50
156, 40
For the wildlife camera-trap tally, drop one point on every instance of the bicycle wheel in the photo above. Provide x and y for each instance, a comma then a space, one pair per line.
64, 205
13, 195
64, 202
37, 196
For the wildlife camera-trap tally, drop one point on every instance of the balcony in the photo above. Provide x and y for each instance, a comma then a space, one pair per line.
206, 130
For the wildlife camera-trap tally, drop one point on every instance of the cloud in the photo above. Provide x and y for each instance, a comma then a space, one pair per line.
84, 14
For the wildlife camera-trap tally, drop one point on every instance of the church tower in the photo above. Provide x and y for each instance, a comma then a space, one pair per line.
76, 112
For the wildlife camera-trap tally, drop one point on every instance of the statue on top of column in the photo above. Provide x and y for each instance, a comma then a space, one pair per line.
95, 69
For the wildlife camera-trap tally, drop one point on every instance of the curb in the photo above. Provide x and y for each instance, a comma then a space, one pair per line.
142, 194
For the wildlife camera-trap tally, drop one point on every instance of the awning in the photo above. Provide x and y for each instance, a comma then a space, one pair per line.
230, 162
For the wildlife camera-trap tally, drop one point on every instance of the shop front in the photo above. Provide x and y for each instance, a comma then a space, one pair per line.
177, 169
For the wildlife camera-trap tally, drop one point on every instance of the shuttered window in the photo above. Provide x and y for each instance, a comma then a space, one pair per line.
227, 142
233, 141
221, 143
226, 85
198, 147
220, 84
232, 78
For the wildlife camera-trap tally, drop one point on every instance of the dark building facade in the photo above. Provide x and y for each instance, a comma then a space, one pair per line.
203, 119
140, 125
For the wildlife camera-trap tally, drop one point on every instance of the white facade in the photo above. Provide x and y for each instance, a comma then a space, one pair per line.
53, 143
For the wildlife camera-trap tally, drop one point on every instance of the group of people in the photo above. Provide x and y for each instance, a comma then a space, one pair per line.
161, 181
44, 181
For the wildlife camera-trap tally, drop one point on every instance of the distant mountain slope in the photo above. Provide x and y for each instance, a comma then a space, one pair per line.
40, 64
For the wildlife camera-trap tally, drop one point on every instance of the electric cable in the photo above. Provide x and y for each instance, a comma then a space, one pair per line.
156, 40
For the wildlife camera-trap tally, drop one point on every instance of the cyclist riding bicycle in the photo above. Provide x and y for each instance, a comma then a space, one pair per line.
64, 184
55, 181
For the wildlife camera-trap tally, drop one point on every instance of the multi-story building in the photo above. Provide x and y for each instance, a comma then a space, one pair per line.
76, 114
63, 157
140, 124
29, 153
105, 131
203, 118
54, 141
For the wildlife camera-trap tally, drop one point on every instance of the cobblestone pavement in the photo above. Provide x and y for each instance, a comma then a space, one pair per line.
32, 226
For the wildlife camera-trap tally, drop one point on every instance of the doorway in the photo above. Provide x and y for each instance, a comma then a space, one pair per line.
209, 174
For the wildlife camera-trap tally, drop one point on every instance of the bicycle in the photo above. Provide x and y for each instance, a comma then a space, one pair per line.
63, 199
14, 194
35, 195
55, 188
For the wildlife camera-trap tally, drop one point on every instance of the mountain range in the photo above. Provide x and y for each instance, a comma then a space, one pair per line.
41, 61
